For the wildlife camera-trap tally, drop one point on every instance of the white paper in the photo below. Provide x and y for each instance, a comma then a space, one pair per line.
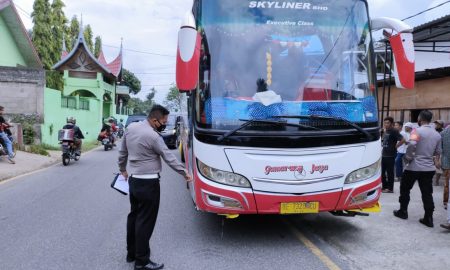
122, 184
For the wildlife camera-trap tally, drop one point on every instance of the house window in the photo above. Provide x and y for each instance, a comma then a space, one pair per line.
69, 102
84, 104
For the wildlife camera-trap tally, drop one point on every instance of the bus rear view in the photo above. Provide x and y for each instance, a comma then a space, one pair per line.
282, 105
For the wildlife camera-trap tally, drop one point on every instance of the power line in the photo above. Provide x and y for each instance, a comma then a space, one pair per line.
153, 68
147, 85
426, 10
111, 46
150, 73
23, 10
144, 52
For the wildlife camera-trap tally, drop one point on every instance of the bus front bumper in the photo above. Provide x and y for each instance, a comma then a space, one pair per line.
226, 200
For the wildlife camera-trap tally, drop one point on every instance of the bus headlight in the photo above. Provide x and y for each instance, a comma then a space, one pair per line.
223, 177
363, 173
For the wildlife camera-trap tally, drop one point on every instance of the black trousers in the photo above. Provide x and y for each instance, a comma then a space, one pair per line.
144, 199
425, 180
387, 167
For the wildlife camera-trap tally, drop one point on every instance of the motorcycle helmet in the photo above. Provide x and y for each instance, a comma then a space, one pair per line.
71, 120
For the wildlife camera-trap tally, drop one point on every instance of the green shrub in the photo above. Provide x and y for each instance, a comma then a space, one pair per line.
39, 149
28, 134
86, 146
50, 147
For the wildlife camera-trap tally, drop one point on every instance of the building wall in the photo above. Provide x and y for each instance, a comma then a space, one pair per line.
10, 55
22, 90
433, 95
55, 116
90, 121
96, 86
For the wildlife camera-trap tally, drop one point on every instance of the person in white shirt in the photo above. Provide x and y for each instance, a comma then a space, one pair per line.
401, 148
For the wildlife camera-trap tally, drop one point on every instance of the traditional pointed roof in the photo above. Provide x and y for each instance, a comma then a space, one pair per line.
13, 21
116, 65
64, 52
101, 58
94, 64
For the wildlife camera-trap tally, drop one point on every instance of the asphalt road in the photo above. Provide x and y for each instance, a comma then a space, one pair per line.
69, 218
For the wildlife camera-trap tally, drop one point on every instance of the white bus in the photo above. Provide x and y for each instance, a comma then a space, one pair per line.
282, 105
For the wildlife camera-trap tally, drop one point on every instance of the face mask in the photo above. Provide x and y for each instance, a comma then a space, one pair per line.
161, 128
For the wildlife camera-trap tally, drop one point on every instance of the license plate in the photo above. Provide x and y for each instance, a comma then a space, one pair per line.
299, 208
65, 143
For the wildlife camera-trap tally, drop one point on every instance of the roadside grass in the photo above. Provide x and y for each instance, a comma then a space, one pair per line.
43, 149
86, 146
50, 147
39, 149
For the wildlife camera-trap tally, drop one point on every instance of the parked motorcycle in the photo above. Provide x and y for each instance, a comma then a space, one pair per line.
68, 147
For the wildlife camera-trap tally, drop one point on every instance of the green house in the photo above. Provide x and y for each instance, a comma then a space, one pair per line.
22, 78
91, 92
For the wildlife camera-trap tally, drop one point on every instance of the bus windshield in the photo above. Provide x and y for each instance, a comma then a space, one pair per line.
261, 59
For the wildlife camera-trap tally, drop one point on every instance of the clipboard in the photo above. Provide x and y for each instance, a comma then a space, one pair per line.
120, 184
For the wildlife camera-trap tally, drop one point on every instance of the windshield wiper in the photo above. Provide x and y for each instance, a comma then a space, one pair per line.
249, 122
312, 117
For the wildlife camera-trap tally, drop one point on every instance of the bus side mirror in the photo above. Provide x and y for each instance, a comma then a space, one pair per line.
188, 55
403, 49
404, 60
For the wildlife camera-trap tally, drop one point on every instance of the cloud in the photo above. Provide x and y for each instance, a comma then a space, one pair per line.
377, 5
438, 12
146, 25
152, 25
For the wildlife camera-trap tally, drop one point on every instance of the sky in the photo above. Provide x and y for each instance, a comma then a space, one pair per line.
149, 30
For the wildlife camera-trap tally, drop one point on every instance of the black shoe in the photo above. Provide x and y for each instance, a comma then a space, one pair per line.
130, 258
427, 222
150, 266
401, 214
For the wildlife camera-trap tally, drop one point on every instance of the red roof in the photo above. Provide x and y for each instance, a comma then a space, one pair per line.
64, 54
101, 58
116, 66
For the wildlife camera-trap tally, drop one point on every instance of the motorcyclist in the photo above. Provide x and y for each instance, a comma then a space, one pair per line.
107, 130
78, 135
4, 132
121, 127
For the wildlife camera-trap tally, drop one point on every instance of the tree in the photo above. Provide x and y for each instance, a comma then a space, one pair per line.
45, 36
72, 34
150, 96
88, 37
174, 99
59, 28
131, 81
42, 32
97, 46
139, 106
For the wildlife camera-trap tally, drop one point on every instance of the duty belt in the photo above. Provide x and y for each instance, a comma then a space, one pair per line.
146, 176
